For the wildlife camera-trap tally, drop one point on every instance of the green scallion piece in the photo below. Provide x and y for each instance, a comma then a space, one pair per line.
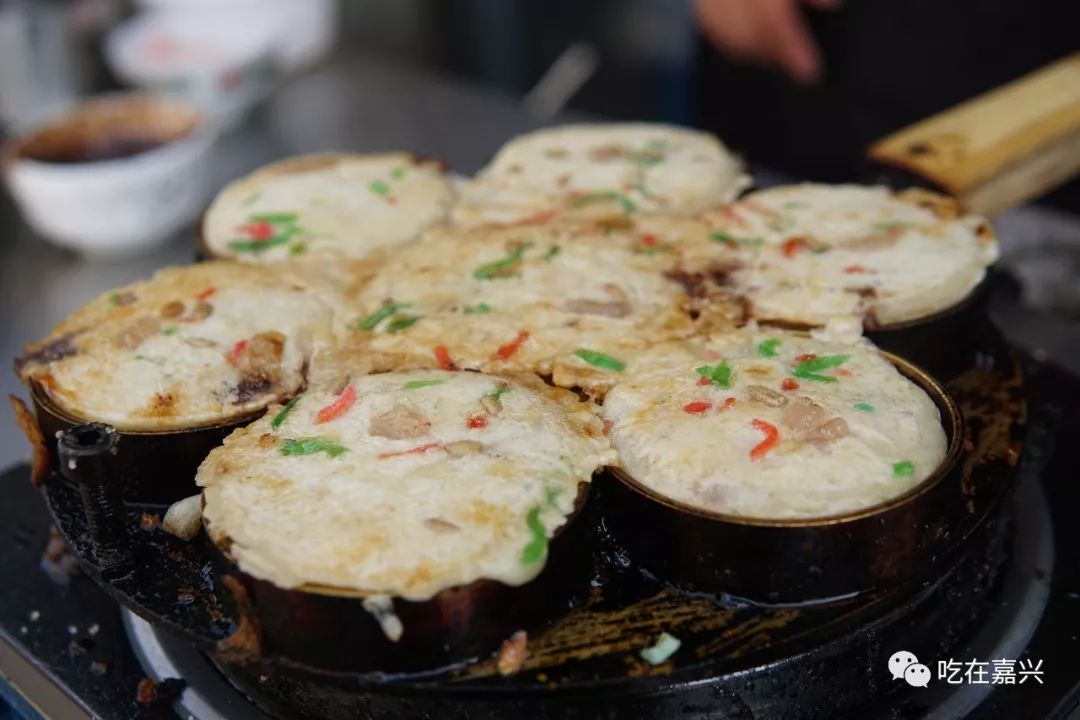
808, 369
298, 249
402, 322
170, 330
894, 225
414, 384
823, 363
600, 360
626, 204
274, 218
398, 173
500, 390
312, 445
904, 468
816, 377
372, 320
864, 407
379, 187
645, 158
496, 269
666, 646
534, 551
477, 309
767, 347
718, 374
258, 246
551, 253
284, 412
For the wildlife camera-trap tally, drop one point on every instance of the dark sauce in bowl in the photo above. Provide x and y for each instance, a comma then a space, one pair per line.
107, 129
98, 150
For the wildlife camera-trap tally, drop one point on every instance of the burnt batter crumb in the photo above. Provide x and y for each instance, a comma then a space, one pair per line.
153, 694
59, 348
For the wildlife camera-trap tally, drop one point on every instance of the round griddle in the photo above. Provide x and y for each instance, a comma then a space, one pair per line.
737, 659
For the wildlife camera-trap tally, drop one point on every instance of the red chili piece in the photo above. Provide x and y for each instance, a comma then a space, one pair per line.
772, 437
697, 407
854, 269
261, 230
338, 407
442, 356
508, 350
789, 384
476, 422
237, 351
412, 451
792, 246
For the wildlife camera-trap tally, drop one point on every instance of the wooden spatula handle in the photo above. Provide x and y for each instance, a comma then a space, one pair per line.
1000, 149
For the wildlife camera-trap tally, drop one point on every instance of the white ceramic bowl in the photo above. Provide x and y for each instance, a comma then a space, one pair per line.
122, 205
305, 30
221, 59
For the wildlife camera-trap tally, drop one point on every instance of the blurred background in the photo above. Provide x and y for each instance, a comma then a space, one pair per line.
799, 87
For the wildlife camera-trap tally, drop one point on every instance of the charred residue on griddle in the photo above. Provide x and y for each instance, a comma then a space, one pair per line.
151, 693
58, 562
244, 645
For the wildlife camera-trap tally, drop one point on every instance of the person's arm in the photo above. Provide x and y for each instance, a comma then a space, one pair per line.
769, 32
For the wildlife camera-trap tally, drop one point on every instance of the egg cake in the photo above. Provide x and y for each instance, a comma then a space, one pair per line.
817, 251
622, 169
559, 299
193, 346
353, 204
773, 425
403, 484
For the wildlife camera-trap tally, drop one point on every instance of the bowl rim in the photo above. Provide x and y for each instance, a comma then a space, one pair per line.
952, 423
120, 45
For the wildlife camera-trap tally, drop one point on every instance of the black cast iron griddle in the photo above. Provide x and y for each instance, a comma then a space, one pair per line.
737, 659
